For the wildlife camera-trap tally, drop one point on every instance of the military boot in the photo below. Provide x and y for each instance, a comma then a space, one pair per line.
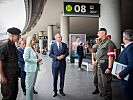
96, 91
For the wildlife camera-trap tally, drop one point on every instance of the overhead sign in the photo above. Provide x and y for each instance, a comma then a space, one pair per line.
40, 37
81, 9
45, 37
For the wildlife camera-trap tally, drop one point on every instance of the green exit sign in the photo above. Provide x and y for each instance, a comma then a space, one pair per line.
81, 9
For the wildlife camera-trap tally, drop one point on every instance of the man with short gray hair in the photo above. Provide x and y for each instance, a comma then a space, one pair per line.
58, 53
126, 58
128, 34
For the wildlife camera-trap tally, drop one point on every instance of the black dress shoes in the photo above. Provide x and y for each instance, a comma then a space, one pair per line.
35, 92
96, 91
62, 93
55, 94
101, 95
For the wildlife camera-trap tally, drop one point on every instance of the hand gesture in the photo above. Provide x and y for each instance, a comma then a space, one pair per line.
38, 60
3, 80
60, 57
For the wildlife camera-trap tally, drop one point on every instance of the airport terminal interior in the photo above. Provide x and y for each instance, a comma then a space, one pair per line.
45, 18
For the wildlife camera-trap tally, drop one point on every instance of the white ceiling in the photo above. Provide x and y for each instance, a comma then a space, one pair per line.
51, 16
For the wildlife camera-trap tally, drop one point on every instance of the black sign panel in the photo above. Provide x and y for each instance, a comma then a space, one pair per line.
45, 37
81, 9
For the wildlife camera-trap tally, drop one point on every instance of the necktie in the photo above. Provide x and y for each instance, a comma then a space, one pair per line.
60, 46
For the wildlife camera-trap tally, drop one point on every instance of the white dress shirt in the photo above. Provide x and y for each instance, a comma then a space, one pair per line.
58, 44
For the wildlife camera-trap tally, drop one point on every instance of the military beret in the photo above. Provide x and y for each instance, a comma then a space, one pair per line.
14, 30
102, 29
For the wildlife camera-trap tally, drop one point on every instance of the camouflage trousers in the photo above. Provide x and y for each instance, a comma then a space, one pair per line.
95, 76
104, 84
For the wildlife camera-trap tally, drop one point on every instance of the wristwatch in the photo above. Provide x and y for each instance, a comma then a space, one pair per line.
109, 68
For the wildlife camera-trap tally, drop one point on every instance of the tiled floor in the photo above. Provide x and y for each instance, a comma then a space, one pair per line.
78, 84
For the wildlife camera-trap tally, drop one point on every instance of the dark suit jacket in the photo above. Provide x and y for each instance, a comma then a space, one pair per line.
20, 58
126, 58
54, 52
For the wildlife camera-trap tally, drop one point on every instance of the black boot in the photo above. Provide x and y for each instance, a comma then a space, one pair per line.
96, 91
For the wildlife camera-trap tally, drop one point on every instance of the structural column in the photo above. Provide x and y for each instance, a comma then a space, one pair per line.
64, 26
110, 18
41, 41
50, 33
45, 33
37, 42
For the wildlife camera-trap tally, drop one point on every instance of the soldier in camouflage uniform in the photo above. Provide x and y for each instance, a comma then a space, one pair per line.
105, 56
94, 63
9, 68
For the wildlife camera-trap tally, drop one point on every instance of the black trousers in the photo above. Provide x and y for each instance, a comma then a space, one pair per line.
23, 76
56, 71
10, 90
80, 58
127, 90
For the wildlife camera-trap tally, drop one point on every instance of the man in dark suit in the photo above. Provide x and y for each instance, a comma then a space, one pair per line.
22, 64
80, 52
126, 58
58, 53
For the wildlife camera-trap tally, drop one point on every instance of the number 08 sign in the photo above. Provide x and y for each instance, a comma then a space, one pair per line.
81, 9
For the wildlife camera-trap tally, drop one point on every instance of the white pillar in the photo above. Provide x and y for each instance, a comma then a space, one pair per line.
64, 26
41, 41
50, 33
45, 33
110, 18
36, 36
37, 43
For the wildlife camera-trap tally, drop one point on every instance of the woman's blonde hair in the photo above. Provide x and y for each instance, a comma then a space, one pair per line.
29, 39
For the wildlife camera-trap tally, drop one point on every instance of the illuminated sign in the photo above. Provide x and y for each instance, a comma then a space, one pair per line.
81, 9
